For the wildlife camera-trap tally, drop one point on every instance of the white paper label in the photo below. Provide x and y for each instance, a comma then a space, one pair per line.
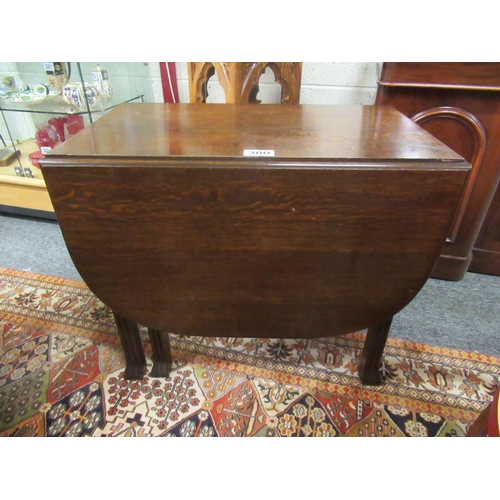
258, 152
44, 150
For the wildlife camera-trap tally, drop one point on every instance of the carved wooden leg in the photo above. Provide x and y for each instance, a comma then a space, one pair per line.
132, 348
369, 368
162, 355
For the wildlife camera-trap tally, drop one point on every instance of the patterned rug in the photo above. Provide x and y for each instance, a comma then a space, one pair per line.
61, 374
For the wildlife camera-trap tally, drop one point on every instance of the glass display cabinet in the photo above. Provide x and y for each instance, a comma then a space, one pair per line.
45, 103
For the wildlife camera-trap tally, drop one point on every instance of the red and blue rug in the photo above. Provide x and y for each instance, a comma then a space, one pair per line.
61, 374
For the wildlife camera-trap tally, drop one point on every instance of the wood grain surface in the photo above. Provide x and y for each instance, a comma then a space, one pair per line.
173, 228
187, 241
222, 131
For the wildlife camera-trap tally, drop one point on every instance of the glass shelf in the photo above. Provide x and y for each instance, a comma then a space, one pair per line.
21, 183
56, 106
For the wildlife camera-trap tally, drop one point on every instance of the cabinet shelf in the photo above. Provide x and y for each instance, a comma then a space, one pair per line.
22, 186
24, 194
25, 148
55, 106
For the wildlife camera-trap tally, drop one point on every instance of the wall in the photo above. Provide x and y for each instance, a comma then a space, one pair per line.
155, 79
322, 83
20, 124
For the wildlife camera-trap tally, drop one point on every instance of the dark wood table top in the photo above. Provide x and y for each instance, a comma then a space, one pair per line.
305, 132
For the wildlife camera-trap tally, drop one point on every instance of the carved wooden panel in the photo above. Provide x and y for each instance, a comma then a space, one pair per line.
240, 80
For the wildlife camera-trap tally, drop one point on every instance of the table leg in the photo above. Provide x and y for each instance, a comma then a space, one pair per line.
132, 348
162, 355
369, 368
479, 428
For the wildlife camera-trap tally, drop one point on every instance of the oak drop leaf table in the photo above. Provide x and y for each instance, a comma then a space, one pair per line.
266, 221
